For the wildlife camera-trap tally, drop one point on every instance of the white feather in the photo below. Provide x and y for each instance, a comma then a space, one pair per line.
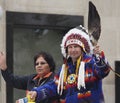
81, 75
61, 80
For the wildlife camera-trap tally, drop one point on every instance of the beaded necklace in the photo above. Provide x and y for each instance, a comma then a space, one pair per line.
76, 72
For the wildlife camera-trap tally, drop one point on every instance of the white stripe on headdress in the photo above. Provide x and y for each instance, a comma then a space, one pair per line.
81, 76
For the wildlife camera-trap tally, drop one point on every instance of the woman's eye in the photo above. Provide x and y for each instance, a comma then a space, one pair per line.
41, 63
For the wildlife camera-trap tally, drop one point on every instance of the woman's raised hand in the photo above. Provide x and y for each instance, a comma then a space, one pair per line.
3, 65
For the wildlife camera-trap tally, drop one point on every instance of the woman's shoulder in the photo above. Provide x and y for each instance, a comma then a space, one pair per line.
31, 76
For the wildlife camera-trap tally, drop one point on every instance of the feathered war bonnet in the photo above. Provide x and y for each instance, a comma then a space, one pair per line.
87, 41
80, 37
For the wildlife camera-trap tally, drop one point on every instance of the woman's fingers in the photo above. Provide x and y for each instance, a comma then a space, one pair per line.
3, 65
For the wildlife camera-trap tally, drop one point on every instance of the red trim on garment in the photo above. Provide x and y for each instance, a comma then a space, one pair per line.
38, 76
87, 60
102, 54
70, 85
84, 95
89, 77
62, 101
47, 75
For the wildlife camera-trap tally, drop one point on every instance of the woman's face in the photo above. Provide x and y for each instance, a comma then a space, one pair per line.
74, 51
41, 66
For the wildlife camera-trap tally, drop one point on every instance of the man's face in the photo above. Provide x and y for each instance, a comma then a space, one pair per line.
74, 51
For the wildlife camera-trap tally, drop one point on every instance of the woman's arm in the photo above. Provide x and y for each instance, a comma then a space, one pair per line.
14, 81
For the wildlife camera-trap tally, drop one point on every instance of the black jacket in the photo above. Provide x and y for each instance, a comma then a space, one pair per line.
26, 82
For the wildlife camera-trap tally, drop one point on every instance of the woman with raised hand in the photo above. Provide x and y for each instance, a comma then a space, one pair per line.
44, 66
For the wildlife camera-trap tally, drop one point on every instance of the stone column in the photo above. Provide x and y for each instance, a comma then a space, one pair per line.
2, 48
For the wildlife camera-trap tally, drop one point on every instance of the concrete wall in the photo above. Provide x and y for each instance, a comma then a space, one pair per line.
110, 19
2, 48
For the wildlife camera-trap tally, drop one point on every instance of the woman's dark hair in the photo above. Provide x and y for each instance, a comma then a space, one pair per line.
49, 59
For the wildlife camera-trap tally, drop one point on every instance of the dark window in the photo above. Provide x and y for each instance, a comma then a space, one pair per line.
117, 82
